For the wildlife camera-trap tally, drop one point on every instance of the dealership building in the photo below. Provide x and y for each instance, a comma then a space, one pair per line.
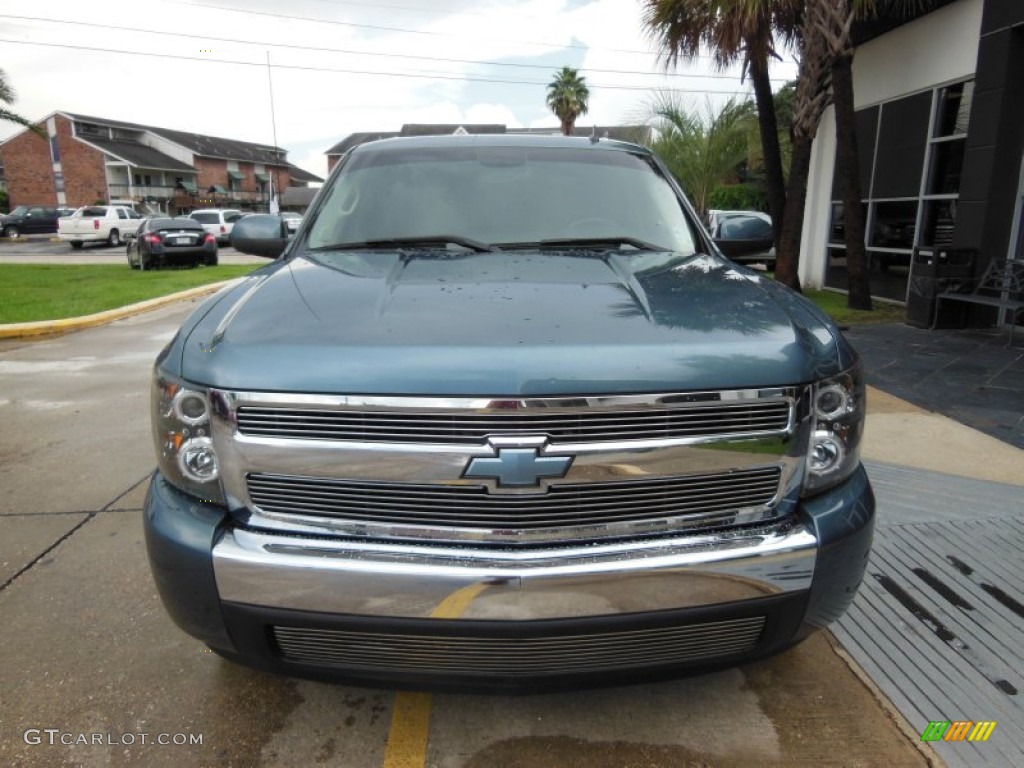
940, 132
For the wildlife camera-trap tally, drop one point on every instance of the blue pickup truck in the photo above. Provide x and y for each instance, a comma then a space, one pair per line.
500, 416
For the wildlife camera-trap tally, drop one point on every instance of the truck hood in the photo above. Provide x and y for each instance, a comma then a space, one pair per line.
505, 323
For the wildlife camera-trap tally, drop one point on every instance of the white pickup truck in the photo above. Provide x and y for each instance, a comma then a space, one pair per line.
99, 223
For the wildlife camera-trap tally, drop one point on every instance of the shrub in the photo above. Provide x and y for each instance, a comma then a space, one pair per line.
737, 197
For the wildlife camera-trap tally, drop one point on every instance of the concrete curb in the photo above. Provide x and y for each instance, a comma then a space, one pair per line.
52, 327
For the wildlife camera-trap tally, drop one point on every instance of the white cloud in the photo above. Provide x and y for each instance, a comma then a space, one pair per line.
313, 108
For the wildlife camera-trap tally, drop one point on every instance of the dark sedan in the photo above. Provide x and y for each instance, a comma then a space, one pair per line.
162, 242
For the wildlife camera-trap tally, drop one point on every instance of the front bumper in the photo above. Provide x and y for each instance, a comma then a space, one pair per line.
485, 618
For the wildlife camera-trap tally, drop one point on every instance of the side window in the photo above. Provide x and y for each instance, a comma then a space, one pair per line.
35, 211
121, 214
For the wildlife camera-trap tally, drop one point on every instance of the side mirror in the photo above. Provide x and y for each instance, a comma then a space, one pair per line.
260, 234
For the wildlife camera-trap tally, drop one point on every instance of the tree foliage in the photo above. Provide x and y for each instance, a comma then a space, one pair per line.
744, 31
7, 99
568, 97
702, 148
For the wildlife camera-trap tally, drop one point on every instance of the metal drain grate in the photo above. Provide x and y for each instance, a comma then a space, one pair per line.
938, 621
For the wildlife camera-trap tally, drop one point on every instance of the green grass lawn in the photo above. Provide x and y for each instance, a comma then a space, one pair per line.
53, 291
835, 304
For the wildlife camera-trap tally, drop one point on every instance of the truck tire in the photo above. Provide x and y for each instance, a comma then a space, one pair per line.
114, 238
76, 244
11, 231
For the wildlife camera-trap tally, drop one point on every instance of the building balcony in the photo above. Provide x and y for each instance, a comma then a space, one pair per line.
184, 197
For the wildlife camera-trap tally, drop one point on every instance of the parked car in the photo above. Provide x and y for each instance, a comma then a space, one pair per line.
218, 222
108, 224
32, 219
500, 416
291, 220
162, 242
744, 236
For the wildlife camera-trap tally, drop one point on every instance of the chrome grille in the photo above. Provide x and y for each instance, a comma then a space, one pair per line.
530, 656
701, 500
754, 417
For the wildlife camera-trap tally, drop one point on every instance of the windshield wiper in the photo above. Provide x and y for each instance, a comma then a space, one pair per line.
395, 243
597, 243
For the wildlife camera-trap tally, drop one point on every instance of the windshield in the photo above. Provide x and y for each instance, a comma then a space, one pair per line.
502, 196
21, 210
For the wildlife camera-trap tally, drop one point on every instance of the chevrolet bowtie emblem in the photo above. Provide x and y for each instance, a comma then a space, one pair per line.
518, 467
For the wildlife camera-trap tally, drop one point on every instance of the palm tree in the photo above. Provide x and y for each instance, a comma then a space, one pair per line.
826, 35
7, 98
567, 97
733, 30
701, 150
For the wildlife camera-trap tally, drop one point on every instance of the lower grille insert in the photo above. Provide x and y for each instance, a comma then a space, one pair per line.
530, 656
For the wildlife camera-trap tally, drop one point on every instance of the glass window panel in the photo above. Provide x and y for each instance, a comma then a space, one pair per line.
835, 231
954, 109
902, 140
894, 224
947, 165
889, 273
835, 277
867, 126
939, 221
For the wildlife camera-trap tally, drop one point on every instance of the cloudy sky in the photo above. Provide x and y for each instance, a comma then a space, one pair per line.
336, 66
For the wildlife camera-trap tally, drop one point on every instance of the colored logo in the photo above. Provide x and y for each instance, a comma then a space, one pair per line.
958, 730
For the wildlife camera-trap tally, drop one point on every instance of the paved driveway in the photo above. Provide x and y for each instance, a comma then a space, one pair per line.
89, 661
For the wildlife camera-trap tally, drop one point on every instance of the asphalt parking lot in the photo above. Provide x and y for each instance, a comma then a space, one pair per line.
93, 672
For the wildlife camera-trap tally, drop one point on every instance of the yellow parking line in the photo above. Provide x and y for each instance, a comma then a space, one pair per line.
407, 737
410, 714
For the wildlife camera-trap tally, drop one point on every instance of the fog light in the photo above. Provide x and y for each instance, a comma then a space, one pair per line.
198, 461
827, 452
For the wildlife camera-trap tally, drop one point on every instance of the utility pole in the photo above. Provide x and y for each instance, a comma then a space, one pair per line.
274, 207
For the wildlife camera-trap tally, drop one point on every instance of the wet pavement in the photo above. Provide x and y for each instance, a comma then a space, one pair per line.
969, 374
86, 649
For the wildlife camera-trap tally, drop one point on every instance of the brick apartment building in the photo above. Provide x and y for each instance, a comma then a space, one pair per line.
84, 160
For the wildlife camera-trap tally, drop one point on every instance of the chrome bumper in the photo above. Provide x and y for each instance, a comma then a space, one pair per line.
399, 581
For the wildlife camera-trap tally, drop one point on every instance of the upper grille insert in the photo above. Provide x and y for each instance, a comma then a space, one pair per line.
701, 500
587, 425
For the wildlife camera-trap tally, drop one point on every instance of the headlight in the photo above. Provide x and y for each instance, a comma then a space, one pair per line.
837, 409
181, 435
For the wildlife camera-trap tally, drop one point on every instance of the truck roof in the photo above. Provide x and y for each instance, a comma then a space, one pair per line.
501, 140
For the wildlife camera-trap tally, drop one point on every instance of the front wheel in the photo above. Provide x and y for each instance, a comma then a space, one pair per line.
11, 231
114, 238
